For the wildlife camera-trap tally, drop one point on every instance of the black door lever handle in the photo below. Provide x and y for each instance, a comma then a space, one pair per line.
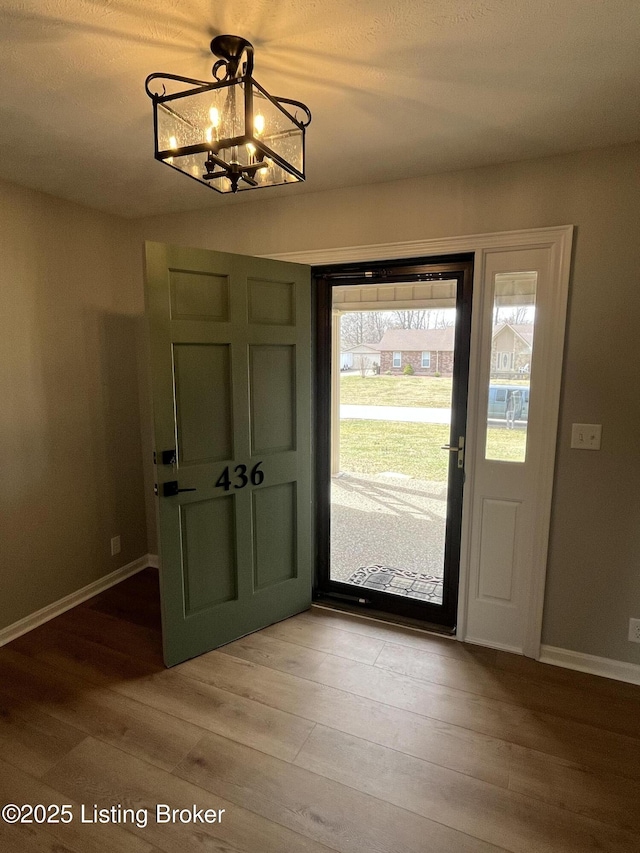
170, 489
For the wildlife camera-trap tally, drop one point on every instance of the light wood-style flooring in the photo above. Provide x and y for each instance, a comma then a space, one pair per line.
326, 732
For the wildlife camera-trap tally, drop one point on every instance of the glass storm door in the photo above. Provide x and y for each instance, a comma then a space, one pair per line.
230, 363
393, 360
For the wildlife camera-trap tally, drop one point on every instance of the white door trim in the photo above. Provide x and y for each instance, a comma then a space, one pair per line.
558, 240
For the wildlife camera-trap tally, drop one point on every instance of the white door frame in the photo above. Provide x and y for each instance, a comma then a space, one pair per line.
558, 241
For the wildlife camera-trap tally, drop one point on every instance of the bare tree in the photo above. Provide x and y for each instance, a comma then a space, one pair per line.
380, 322
515, 315
440, 318
519, 314
362, 365
410, 319
352, 329
364, 327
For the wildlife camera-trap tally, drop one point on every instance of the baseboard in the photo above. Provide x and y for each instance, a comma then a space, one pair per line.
489, 644
606, 667
12, 632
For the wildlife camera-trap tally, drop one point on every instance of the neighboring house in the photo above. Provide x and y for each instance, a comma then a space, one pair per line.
511, 350
363, 356
428, 351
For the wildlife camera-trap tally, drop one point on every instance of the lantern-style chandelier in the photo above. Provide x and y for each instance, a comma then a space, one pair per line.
230, 134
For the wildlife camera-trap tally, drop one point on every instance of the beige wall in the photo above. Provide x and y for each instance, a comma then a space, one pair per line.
71, 474
594, 565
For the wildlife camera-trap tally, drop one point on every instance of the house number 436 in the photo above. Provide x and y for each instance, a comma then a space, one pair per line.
255, 477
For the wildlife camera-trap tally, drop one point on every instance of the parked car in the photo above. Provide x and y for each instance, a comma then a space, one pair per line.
498, 396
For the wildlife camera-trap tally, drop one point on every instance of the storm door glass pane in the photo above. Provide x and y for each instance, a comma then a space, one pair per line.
390, 477
509, 380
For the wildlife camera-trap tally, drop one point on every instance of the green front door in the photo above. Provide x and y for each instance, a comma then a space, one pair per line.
230, 360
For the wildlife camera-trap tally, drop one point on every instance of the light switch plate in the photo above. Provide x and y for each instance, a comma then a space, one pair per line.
586, 436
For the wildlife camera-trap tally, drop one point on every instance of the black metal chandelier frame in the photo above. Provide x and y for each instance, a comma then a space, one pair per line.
228, 71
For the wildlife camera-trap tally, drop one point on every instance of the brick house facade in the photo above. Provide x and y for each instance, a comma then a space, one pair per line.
428, 351
439, 362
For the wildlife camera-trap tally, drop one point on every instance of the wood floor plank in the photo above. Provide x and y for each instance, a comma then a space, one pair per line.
137, 600
32, 839
411, 743
336, 815
500, 817
94, 662
168, 693
107, 630
544, 673
589, 746
267, 729
398, 634
31, 740
117, 719
97, 773
18, 787
451, 746
325, 638
276, 654
604, 796
623, 715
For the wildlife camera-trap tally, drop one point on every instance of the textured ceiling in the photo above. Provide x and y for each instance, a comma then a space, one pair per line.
397, 88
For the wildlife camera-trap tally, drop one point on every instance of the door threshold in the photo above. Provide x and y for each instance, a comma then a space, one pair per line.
387, 618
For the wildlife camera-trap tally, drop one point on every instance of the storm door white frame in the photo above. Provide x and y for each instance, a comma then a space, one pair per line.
524, 634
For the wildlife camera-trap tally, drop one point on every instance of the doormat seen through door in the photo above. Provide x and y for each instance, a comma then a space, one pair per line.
398, 582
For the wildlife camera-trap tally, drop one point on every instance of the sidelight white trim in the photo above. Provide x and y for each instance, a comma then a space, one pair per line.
558, 240
45, 614
606, 667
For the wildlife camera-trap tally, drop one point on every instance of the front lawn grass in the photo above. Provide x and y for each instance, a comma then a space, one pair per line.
371, 447
427, 391
507, 445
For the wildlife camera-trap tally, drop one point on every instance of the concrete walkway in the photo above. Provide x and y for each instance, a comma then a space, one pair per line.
419, 415
412, 414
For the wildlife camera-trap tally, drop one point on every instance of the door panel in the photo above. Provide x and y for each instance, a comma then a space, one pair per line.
497, 549
202, 378
272, 392
272, 302
274, 508
195, 296
230, 354
207, 531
